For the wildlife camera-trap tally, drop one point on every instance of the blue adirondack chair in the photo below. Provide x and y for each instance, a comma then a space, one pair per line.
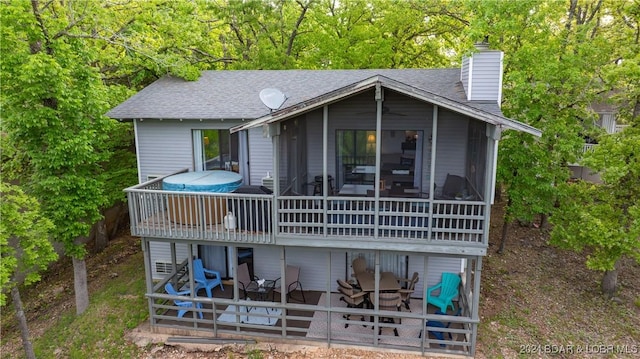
200, 276
182, 303
448, 290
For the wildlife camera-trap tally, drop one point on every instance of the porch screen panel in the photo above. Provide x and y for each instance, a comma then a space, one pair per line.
476, 157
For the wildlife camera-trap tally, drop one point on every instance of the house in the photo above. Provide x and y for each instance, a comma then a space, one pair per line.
393, 168
607, 124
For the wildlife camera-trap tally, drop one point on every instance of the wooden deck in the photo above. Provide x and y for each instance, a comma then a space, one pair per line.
204, 216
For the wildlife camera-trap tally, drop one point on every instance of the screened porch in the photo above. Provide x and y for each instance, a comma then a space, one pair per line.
320, 318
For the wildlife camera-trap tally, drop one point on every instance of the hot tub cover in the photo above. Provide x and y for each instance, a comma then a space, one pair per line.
203, 181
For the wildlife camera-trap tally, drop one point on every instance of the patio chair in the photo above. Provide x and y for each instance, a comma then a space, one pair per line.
292, 275
389, 301
448, 290
182, 303
453, 186
244, 278
406, 293
202, 281
438, 324
351, 296
358, 265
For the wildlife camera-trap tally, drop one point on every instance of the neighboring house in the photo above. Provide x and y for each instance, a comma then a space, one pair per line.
359, 162
607, 114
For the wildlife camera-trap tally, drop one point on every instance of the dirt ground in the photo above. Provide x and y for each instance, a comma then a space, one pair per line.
526, 293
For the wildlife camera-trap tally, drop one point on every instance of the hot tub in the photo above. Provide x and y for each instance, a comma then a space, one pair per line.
192, 209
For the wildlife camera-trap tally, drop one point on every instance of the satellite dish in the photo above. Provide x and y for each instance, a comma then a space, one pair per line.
272, 98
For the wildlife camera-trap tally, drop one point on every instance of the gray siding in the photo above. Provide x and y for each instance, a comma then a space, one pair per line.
161, 252
485, 77
437, 265
266, 262
166, 146
464, 74
260, 156
312, 263
163, 147
313, 267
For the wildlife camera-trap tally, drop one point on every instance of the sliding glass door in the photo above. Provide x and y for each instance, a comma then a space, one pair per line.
400, 162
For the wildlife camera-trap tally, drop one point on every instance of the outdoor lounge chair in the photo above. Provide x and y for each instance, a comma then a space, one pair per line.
353, 298
292, 276
200, 276
448, 290
408, 291
182, 303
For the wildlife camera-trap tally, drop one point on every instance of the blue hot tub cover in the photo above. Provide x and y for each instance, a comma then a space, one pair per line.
203, 181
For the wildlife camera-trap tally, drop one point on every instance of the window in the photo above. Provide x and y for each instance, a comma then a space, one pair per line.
355, 148
215, 150
400, 159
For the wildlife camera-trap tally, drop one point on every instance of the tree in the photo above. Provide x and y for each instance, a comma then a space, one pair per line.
64, 65
25, 249
553, 59
54, 117
604, 219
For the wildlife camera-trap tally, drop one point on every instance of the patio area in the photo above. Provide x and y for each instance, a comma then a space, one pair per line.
320, 319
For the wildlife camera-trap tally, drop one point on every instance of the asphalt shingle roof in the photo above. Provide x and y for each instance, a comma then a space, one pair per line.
235, 94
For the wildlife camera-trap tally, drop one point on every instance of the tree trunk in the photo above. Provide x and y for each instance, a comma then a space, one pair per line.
503, 240
505, 226
544, 223
101, 239
610, 280
22, 323
80, 285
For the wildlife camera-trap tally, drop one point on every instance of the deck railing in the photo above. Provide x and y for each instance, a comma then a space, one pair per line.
328, 321
252, 218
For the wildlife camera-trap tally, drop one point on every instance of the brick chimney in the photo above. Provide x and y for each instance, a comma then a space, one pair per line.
481, 74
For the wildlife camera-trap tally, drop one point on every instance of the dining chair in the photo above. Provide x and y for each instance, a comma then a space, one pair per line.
182, 303
292, 275
352, 297
358, 265
406, 293
389, 301
200, 274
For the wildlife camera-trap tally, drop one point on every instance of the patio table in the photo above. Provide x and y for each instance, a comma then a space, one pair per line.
388, 281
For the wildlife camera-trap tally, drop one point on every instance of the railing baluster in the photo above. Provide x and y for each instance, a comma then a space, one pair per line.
201, 216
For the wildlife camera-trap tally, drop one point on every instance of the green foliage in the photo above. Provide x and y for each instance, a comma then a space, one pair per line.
25, 248
53, 104
552, 70
100, 332
255, 354
604, 218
